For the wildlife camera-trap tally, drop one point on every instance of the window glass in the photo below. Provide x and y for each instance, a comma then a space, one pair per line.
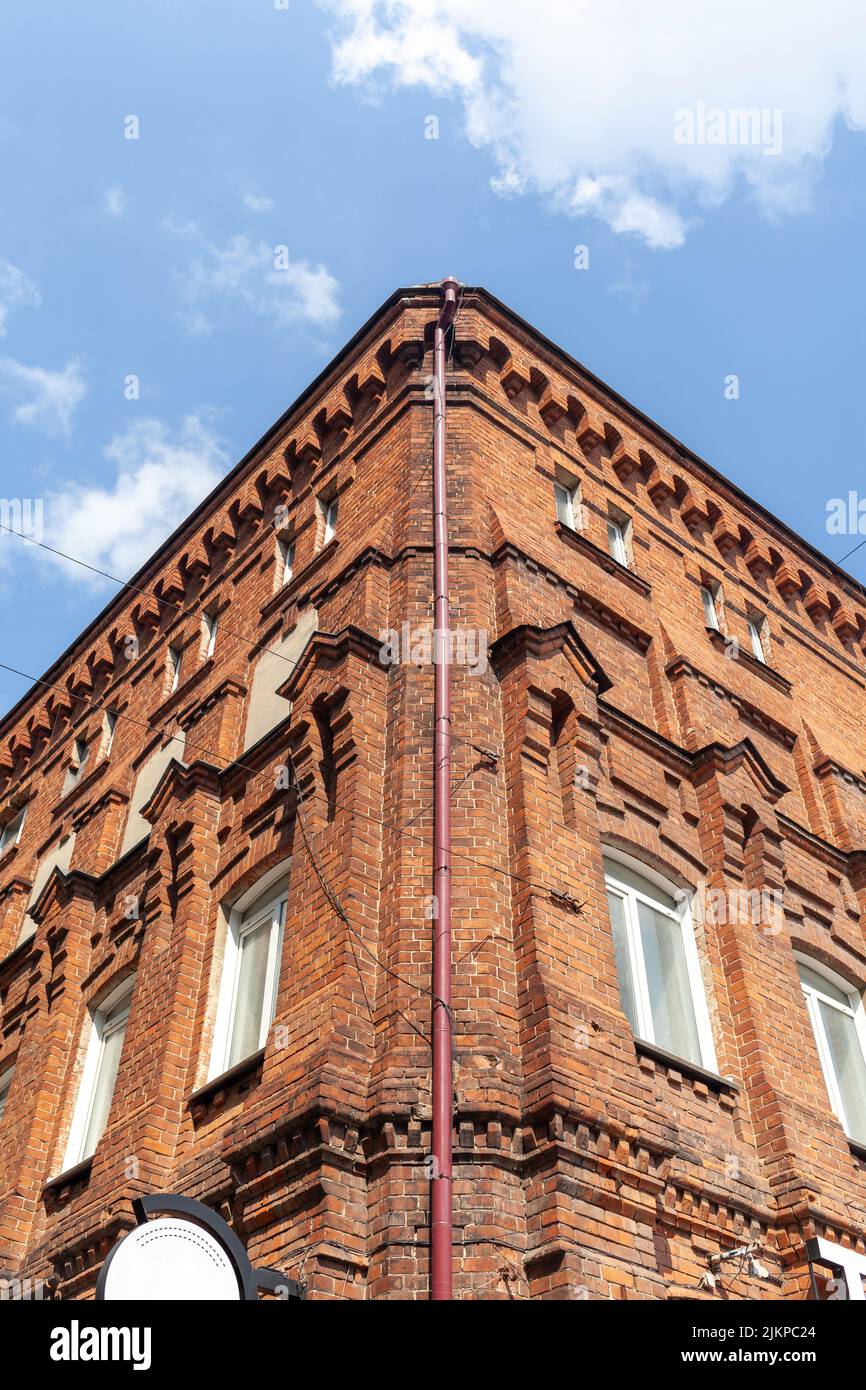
113, 1031
5, 1084
616, 541
837, 1022
250, 977
11, 832
564, 504
711, 617
616, 908
657, 965
755, 638
250, 997
673, 1013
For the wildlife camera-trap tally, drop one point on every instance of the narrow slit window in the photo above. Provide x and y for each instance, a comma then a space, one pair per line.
211, 624
756, 636
709, 595
567, 503
329, 517
287, 559
175, 660
616, 540
77, 764
108, 733
11, 832
5, 1084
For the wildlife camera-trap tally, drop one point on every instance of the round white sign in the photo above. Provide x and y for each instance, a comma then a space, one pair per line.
171, 1259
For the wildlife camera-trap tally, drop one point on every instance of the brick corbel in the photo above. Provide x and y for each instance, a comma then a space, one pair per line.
540, 643
714, 759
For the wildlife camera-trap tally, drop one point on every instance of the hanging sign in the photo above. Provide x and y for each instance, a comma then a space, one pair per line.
186, 1252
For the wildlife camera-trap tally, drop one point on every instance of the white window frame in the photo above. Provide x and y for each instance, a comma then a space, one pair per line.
855, 1011
697, 989
709, 598
330, 512
240, 925
6, 1078
756, 623
175, 661
616, 540
567, 497
11, 832
210, 623
286, 545
110, 1015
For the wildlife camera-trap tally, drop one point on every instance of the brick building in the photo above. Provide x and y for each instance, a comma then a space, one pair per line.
215, 912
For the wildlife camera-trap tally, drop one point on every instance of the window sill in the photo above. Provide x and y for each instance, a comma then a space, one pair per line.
686, 1068
76, 1177
758, 668
857, 1149
603, 560
204, 1098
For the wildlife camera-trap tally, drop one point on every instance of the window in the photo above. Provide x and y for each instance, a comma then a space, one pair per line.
756, 635
210, 623
77, 764
101, 1064
566, 490
329, 516
836, 1015
108, 732
617, 532
11, 832
287, 559
5, 1083
250, 976
657, 964
175, 660
710, 595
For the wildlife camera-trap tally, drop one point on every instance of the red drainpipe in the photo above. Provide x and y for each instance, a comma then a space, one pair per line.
443, 1082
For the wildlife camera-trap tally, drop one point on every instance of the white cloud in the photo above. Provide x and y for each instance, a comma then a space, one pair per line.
44, 399
16, 288
256, 202
160, 478
251, 272
578, 100
115, 202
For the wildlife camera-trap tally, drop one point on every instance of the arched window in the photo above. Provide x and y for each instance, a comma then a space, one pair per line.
250, 972
837, 1018
657, 962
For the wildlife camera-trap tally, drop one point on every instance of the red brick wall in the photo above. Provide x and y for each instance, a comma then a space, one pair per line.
584, 1166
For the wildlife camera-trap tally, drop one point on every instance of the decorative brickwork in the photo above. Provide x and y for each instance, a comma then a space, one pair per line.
594, 709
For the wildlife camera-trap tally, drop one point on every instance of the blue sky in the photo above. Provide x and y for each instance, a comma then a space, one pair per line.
306, 127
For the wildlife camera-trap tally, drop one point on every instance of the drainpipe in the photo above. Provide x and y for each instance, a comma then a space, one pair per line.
443, 1082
